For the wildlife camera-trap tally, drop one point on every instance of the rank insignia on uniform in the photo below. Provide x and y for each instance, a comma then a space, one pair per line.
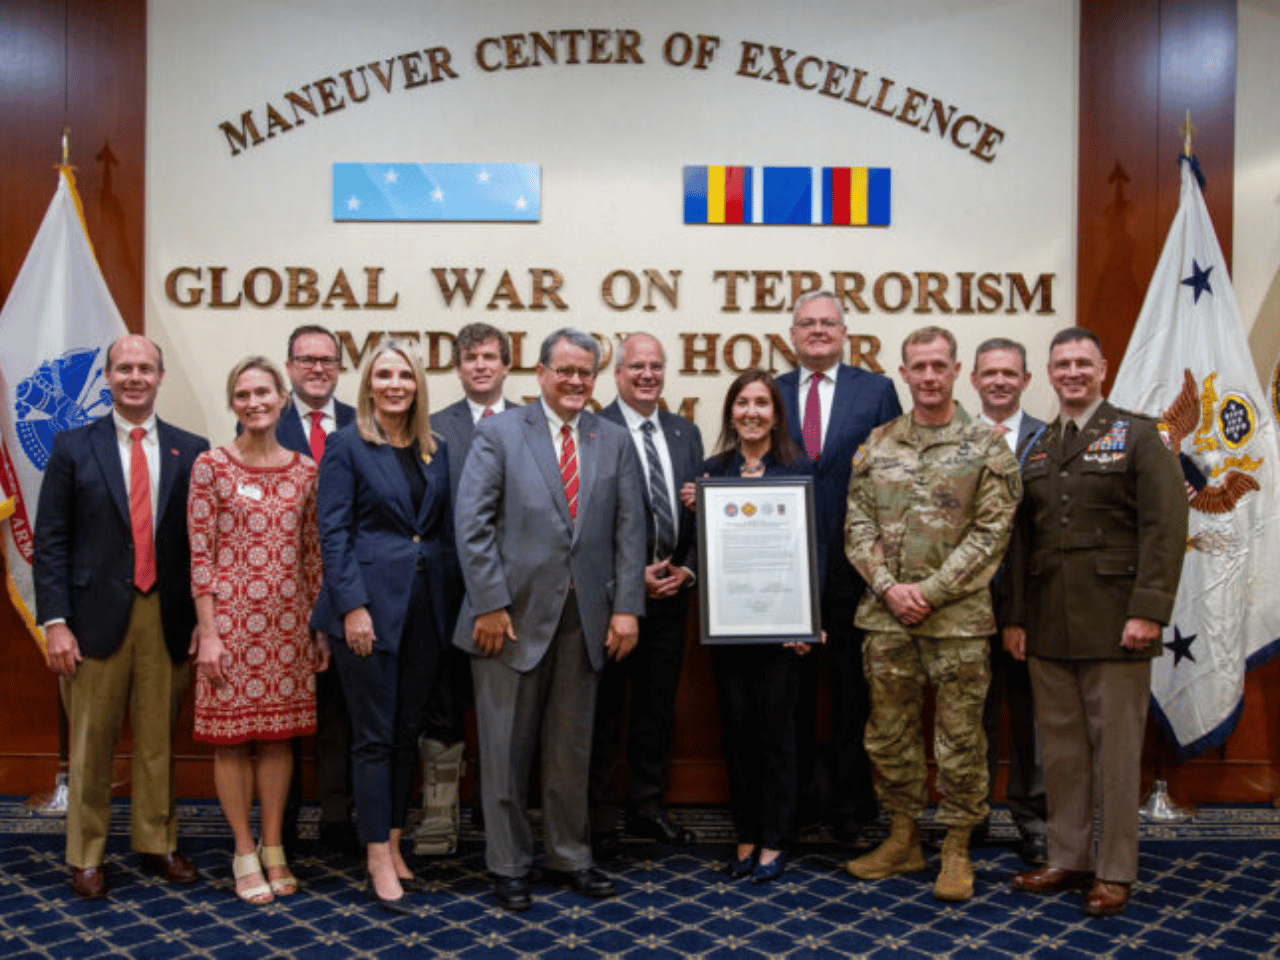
1103, 457
1113, 439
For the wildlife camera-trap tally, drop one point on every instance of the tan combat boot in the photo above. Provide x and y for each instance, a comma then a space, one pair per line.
900, 853
442, 767
955, 880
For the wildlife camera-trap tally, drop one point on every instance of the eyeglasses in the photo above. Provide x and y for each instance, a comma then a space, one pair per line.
316, 361
585, 374
826, 323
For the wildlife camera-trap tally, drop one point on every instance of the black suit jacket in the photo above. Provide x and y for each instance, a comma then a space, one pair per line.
684, 443
83, 565
455, 425
1027, 432
372, 540
294, 435
863, 400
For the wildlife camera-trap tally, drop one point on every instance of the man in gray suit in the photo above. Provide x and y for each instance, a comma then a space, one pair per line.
482, 358
551, 540
1000, 375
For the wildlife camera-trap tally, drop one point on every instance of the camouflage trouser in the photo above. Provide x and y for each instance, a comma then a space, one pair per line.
898, 665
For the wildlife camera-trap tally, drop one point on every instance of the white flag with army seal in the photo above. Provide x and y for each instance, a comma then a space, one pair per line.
1188, 362
55, 327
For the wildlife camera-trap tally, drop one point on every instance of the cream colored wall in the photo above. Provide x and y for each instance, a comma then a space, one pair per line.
611, 140
1256, 241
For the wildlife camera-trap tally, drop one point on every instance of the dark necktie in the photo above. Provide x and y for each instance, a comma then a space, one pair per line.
144, 546
316, 439
811, 429
663, 519
1069, 433
569, 470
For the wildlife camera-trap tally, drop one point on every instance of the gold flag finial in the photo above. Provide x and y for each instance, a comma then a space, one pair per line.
1187, 130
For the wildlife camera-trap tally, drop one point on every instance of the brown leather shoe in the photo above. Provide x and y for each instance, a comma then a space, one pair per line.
1106, 899
1051, 880
173, 867
89, 882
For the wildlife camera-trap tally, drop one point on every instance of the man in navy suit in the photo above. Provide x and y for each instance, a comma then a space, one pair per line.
310, 416
482, 359
112, 573
670, 453
1000, 375
831, 408
551, 539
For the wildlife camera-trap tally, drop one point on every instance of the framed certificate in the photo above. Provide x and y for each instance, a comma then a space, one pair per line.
757, 560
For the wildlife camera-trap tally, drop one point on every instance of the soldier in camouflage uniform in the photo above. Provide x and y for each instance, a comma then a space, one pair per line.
931, 502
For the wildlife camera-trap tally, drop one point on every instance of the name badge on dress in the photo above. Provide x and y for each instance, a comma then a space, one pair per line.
249, 490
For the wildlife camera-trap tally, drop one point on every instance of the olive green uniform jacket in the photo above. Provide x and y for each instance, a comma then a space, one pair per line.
931, 506
1099, 538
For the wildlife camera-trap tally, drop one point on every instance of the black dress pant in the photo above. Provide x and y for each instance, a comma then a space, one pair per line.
387, 693
758, 685
653, 672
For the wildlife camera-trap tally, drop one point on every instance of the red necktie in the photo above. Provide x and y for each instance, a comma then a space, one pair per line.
488, 412
317, 435
569, 470
811, 429
144, 546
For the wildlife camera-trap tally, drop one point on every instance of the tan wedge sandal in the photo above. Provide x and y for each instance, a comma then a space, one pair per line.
273, 858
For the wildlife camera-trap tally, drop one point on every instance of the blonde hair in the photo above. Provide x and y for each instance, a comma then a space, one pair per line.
254, 363
419, 415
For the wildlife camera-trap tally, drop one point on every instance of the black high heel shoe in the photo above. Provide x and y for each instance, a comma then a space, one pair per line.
400, 906
737, 868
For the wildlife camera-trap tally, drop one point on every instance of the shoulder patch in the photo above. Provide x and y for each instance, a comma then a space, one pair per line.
860, 458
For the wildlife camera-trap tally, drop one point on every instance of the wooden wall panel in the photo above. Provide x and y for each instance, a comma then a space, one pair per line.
81, 64
1143, 63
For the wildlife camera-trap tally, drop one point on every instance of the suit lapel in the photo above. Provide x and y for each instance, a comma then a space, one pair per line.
168, 457
588, 461
538, 438
107, 452
842, 404
789, 387
290, 432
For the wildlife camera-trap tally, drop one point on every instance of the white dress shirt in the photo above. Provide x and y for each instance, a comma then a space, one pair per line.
328, 422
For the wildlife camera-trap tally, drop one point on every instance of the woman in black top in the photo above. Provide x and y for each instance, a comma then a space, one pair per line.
757, 682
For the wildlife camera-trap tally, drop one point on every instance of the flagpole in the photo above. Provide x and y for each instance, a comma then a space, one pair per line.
1160, 807
54, 803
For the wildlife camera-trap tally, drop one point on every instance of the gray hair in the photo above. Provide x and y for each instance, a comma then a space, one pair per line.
576, 338
621, 354
816, 295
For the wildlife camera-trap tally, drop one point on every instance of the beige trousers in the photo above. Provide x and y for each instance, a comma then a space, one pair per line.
141, 675
1091, 716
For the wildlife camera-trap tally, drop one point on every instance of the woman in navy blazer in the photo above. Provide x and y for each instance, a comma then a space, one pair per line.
391, 592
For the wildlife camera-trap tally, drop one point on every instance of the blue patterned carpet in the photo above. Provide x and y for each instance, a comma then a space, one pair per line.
1209, 888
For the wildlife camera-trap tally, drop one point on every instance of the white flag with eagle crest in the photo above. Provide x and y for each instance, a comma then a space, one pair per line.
1188, 362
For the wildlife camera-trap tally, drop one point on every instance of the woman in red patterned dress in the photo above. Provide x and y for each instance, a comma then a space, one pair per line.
255, 571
